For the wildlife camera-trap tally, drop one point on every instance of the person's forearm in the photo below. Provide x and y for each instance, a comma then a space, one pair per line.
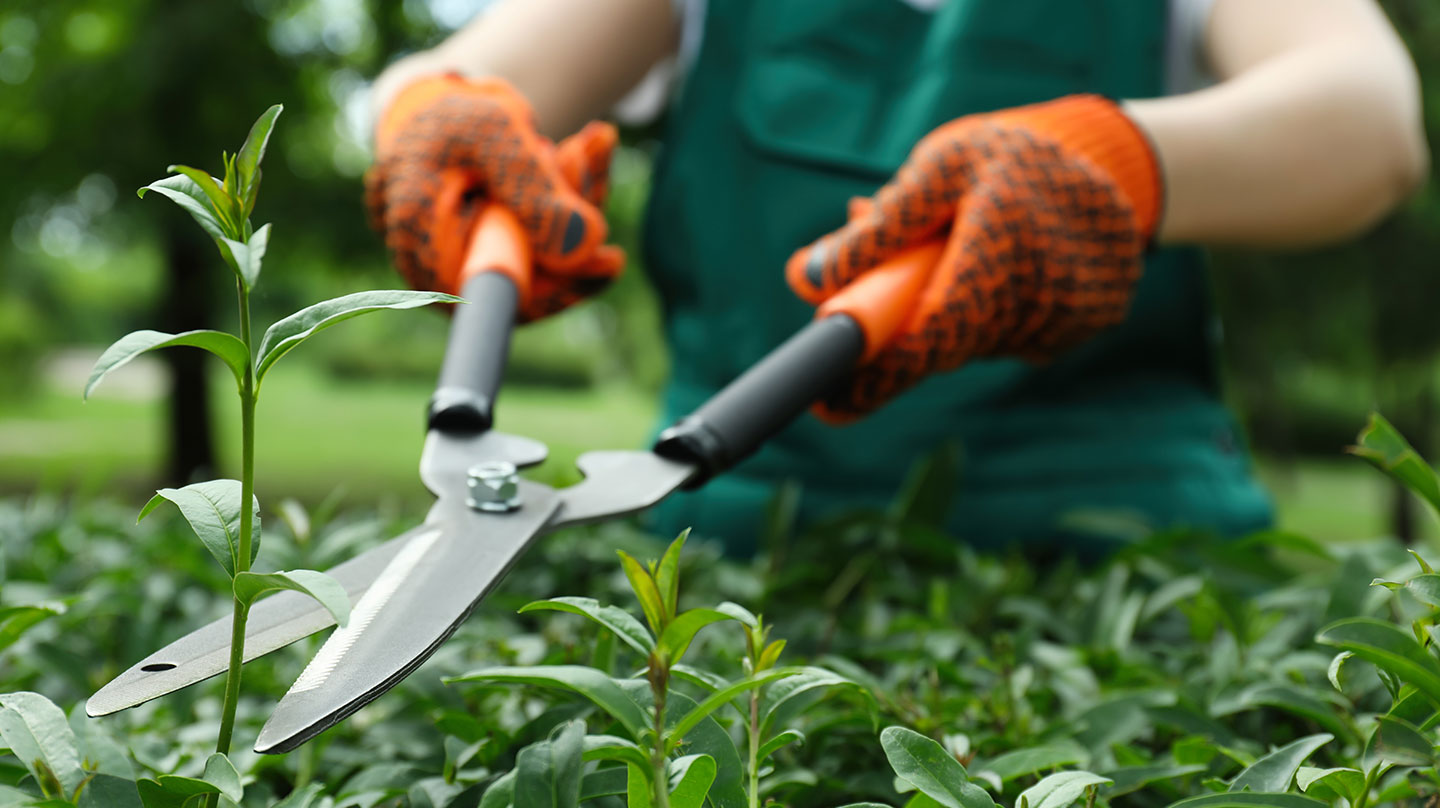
1307, 147
572, 59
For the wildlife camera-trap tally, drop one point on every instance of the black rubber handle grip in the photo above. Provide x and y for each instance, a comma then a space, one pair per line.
475, 355
766, 398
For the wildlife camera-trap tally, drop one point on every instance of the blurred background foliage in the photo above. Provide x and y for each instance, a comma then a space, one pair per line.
97, 97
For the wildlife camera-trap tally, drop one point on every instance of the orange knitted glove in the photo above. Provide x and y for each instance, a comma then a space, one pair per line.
445, 143
1046, 211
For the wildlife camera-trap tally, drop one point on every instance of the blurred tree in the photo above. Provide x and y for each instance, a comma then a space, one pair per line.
97, 97
119, 89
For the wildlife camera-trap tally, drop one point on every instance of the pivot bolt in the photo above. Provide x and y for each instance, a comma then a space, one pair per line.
494, 487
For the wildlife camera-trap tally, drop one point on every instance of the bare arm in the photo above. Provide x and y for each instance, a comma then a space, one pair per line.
573, 59
1313, 133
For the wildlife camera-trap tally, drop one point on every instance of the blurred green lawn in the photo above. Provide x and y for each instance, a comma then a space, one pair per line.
314, 435
318, 435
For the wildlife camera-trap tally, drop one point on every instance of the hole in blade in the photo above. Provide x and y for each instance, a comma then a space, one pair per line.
156, 667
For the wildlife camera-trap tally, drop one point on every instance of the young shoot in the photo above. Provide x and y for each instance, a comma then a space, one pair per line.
225, 514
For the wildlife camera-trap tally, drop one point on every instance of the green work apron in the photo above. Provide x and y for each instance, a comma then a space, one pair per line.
794, 106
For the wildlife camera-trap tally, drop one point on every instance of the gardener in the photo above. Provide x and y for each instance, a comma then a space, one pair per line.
1066, 343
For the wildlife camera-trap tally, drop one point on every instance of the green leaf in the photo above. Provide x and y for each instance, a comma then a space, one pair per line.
230, 350
15, 798
218, 199
154, 795
99, 752
1037, 759
1133, 778
37, 733
690, 777
1249, 799
1419, 559
325, 590
1290, 698
1170, 593
1389, 648
213, 510
637, 787
609, 747
107, 791
619, 621
1386, 449
611, 782
925, 764
1196, 749
1425, 588
739, 613
667, 575
566, 748
458, 755
1397, 741
770, 656
249, 255
302, 798
252, 193
220, 778
501, 793
184, 192
285, 334
1399, 790
1347, 783
707, 738
700, 678
643, 584
231, 180
1060, 789
604, 691
1274, 772
432, 792
722, 697
16, 620
681, 631
1415, 708
779, 742
1336, 669
247, 160
548, 773
782, 697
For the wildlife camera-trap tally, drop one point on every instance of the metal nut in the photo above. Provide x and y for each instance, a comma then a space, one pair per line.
494, 487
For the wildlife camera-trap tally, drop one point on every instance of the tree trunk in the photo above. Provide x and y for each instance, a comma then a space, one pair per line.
190, 447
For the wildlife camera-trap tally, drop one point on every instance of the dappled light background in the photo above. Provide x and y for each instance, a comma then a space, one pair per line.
98, 97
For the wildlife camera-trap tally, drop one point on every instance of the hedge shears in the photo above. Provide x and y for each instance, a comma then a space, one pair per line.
409, 594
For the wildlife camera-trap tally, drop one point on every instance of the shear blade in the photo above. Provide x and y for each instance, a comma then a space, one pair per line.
423, 595
274, 623
281, 619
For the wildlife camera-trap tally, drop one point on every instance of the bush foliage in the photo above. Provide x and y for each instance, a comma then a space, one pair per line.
1268, 671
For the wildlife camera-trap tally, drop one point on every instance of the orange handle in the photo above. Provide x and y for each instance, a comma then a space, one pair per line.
495, 243
880, 300
499, 244
494, 277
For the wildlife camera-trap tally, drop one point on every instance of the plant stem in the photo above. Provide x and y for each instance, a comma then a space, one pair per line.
659, 761
754, 748
247, 526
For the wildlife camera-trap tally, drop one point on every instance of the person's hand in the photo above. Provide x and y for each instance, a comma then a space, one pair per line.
445, 143
1046, 211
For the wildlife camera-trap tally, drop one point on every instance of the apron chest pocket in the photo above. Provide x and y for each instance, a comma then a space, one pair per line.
851, 85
